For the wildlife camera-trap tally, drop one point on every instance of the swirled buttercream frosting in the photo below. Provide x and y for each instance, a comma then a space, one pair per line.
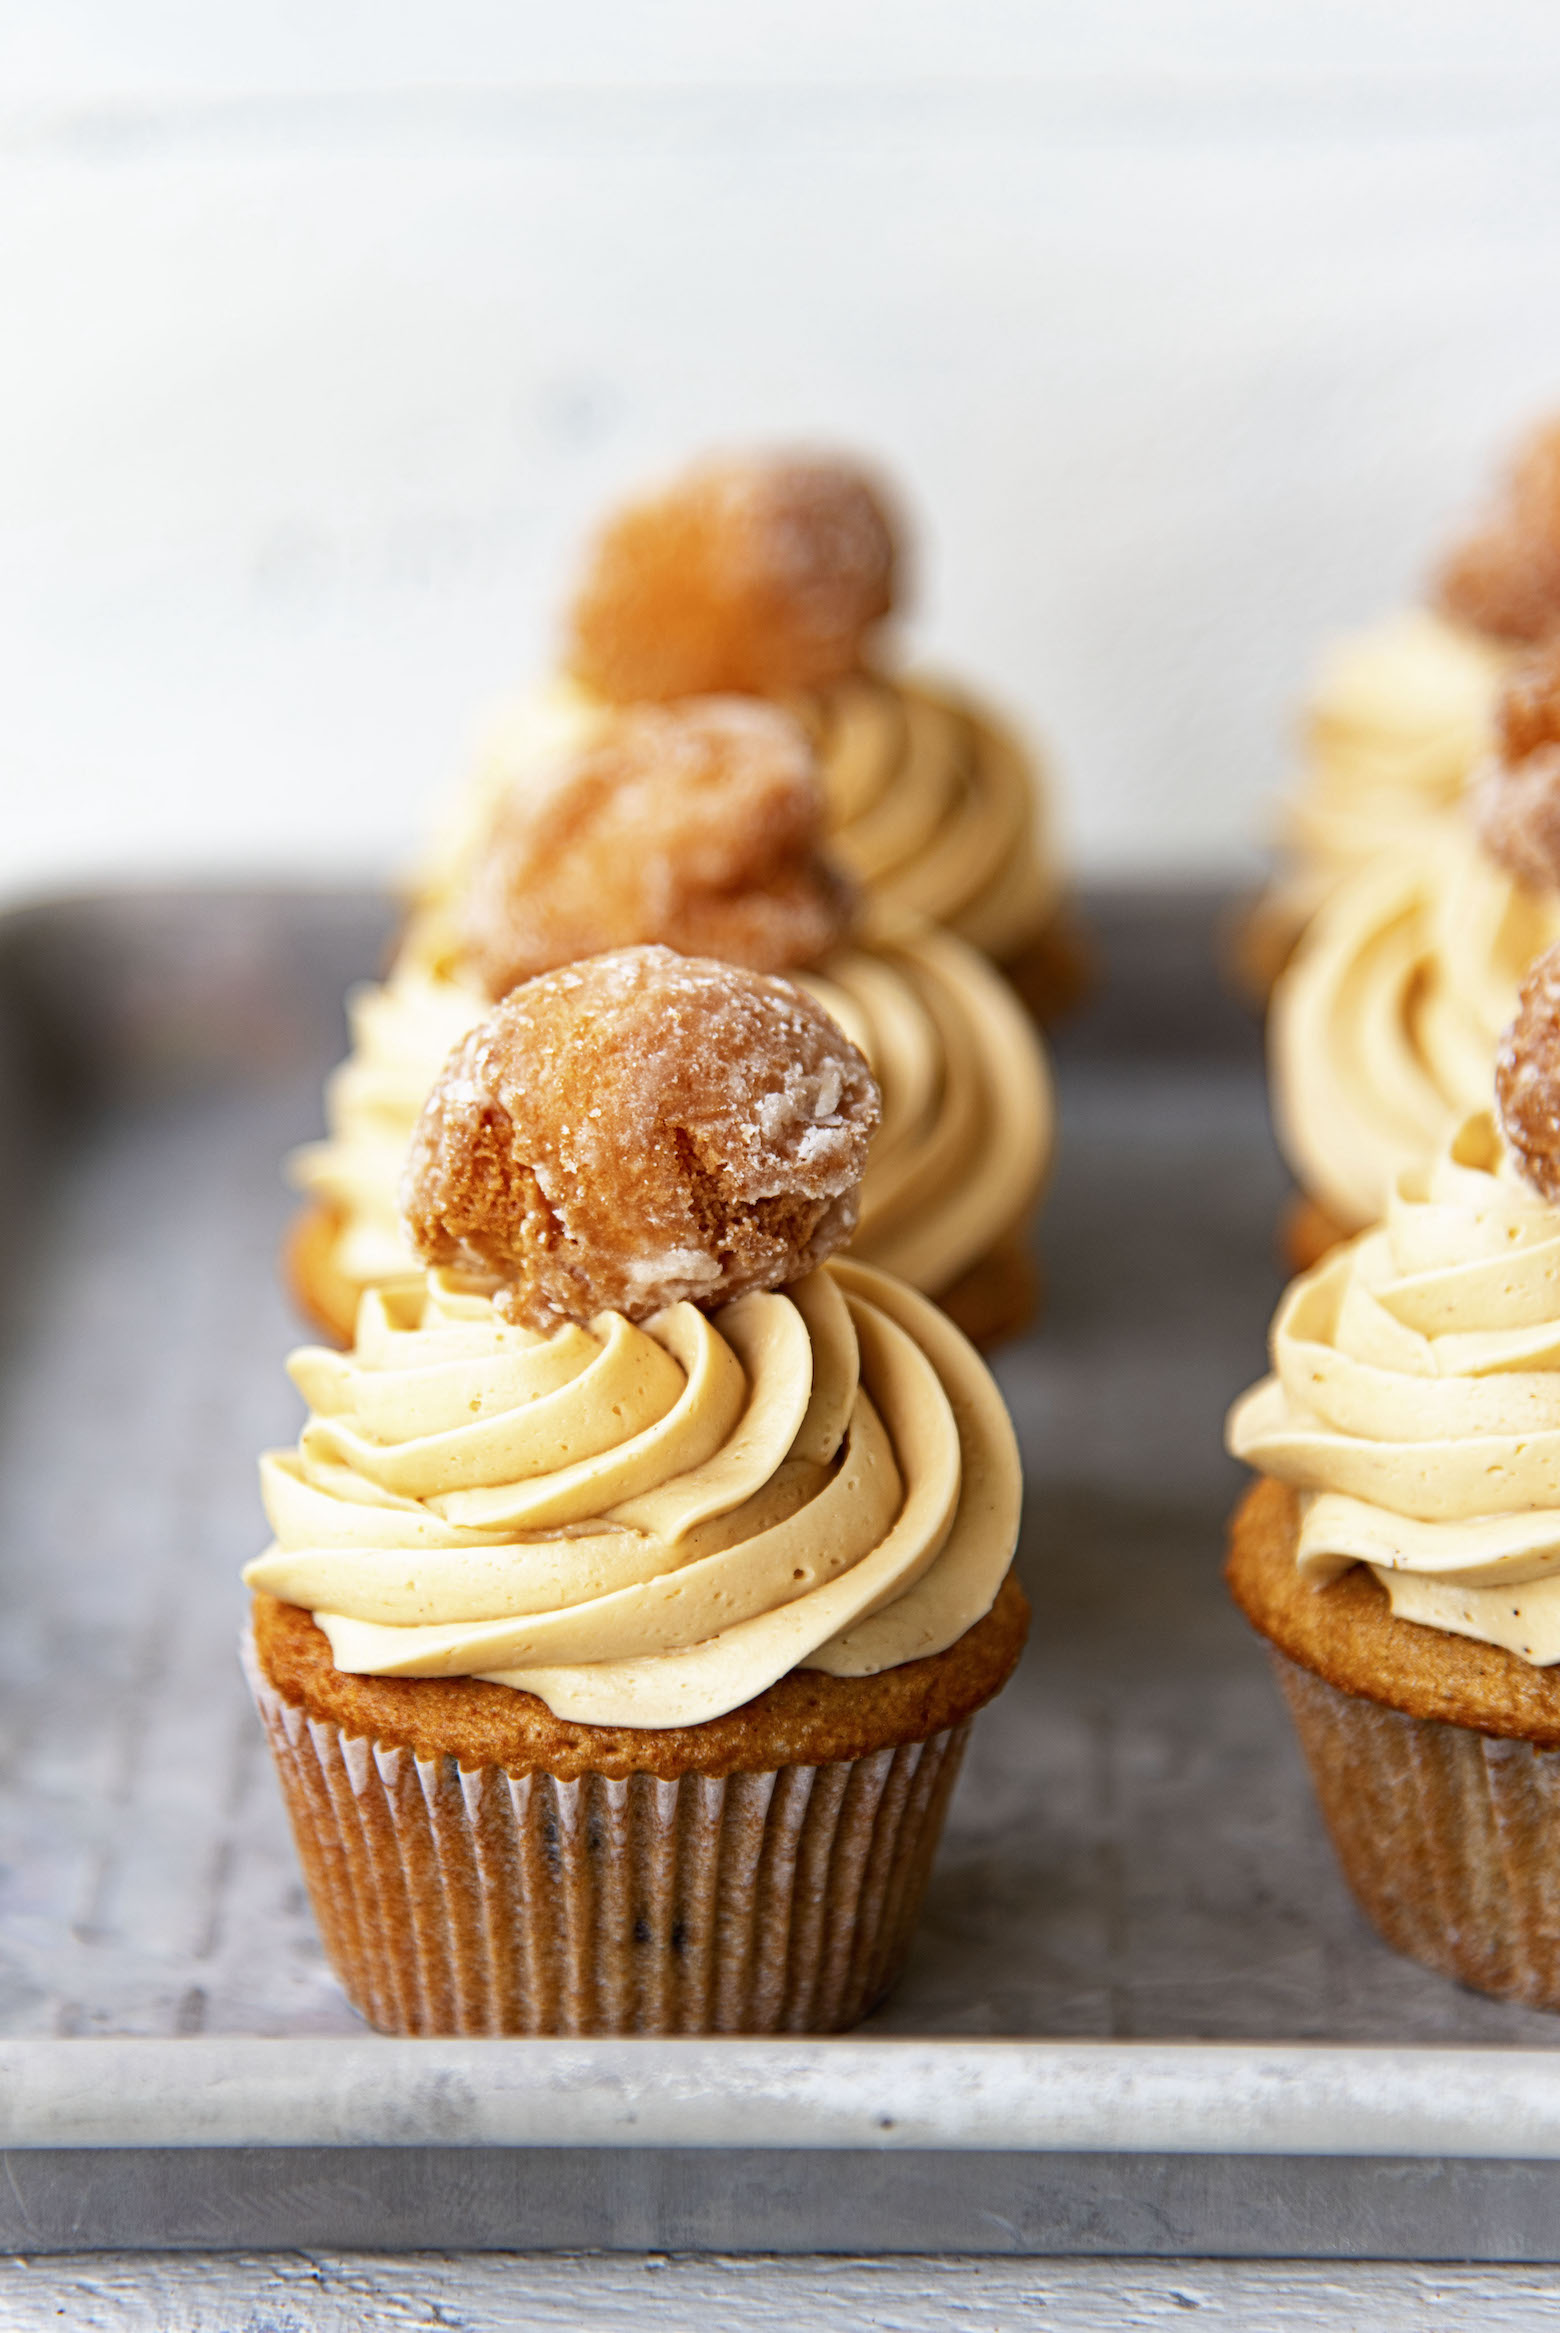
957, 1163
1415, 1402
933, 806
1400, 716
644, 1525
1384, 1025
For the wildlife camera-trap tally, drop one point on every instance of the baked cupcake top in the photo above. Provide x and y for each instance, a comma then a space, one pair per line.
1384, 1025
559, 1470
1415, 1395
701, 824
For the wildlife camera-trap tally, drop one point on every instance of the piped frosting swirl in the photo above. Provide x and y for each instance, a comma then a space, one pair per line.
1401, 715
645, 1525
1415, 1402
1384, 1026
934, 808
958, 1162
933, 805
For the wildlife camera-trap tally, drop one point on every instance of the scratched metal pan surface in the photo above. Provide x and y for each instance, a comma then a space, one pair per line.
1133, 1856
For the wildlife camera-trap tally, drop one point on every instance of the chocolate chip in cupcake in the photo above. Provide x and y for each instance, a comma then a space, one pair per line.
640, 1129
757, 576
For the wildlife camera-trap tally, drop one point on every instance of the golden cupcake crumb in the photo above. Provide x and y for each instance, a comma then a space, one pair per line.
1348, 1634
697, 825
640, 1129
806, 1718
749, 576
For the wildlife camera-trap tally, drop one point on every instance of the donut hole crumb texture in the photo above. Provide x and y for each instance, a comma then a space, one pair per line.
698, 824
1517, 795
1504, 580
1527, 1078
755, 576
637, 1130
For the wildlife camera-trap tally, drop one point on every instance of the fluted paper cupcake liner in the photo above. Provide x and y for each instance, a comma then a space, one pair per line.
1449, 1839
454, 1900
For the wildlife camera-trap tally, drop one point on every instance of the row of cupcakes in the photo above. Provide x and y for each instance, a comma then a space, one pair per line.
1420, 873
647, 1551
1401, 1553
1404, 711
769, 796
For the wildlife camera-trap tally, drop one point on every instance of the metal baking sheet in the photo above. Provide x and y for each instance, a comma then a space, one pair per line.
1133, 1870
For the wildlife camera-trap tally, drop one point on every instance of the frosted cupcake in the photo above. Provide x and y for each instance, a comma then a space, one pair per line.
700, 825
773, 577
1402, 1555
1384, 1026
640, 1570
1403, 713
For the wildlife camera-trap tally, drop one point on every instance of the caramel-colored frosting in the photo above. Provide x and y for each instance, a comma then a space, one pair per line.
957, 1163
1384, 1026
1415, 1402
645, 1525
968, 1120
1401, 714
934, 807
402, 1034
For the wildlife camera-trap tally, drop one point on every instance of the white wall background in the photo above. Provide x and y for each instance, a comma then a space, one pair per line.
1192, 327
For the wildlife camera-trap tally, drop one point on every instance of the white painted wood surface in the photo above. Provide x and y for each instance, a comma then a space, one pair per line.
1191, 328
504, 2293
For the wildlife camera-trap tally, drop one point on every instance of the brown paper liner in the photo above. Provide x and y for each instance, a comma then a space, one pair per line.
1449, 1838
483, 1902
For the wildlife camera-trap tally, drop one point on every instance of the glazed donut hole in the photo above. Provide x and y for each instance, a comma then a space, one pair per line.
636, 1130
1504, 580
757, 576
1527, 1078
1528, 715
1516, 797
697, 825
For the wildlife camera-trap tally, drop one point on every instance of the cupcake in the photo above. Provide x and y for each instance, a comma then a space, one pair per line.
1384, 1026
1403, 712
1401, 1555
700, 824
640, 1569
773, 577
